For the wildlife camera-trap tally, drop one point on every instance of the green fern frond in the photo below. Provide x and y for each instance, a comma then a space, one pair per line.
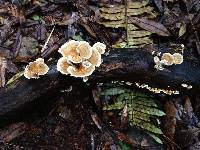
146, 109
139, 115
117, 105
118, 16
145, 125
113, 91
156, 138
141, 108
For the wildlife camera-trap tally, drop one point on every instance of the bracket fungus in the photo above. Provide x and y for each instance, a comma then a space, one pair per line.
186, 86
62, 65
100, 47
167, 59
156, 90
69, 49
79, 59
178, 58
95, 59
35, 69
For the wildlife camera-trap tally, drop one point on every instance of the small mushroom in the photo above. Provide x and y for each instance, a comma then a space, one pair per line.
69, 48
156, 59
84, 49
167, 59
158, 64
62, 65
100, 47
35, 69
81, 71
178, 58
95, 59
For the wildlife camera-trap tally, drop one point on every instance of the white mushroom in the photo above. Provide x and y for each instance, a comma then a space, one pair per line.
35, 69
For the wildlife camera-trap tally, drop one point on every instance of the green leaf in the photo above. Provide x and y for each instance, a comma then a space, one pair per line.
156, 138
119, 16
15, 77
139, 115
125, 96
182, 29
145, 125
36, 17
146, 109
117, 105
141, 108
113, 91
77, 38
124, 146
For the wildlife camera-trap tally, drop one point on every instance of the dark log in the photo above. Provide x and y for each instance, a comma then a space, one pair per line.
138, 66
122, 65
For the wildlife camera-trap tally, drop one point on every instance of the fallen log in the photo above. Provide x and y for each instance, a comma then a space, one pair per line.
120, 64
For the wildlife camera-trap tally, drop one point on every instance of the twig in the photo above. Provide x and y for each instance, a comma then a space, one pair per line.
47, 41
3, 65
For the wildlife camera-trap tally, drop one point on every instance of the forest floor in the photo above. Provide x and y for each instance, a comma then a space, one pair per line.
75, 117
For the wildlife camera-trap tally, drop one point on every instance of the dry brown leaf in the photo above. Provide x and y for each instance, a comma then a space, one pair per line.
12, 131
150, 25
188, 107
170, 119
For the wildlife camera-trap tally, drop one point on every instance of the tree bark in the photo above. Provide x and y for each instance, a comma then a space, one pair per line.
122, 65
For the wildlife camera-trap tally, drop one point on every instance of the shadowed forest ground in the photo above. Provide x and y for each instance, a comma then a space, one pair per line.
114, 109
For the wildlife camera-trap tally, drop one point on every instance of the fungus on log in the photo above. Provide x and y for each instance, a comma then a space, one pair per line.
36, 69
125, 65
79, 58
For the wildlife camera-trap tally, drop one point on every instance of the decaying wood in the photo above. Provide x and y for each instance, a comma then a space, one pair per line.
123, 65
11, 132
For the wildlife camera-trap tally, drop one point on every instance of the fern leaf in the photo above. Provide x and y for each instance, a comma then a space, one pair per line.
139, 115
145, 125
141, 108
156, 138
118, 16
113, 91
117, 105
146, 109
146, 102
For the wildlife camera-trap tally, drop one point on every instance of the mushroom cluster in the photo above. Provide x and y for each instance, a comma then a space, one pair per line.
35, 69
168, 59
79, 59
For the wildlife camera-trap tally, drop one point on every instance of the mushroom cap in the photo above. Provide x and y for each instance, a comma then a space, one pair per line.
100, 47
36, 68
178, 58
75, 58
167, 59
62, 65
156, 59
82, 71
69, 48
84, 49
95, 59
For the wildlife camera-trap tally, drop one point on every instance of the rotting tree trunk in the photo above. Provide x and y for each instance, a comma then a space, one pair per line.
120, 64
138, 66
